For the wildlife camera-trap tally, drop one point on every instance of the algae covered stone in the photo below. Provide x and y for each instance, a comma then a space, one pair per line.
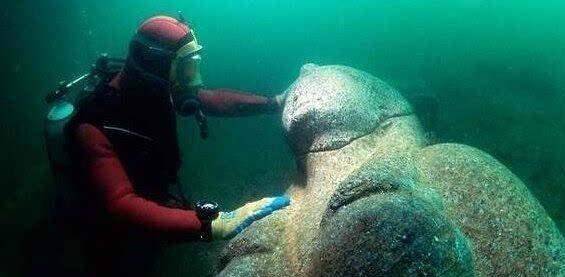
329, 106
374, 199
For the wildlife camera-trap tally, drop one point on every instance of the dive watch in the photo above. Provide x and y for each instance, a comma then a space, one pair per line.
206, 212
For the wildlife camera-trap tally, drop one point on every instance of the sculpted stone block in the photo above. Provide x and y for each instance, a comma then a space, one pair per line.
510, 231
374, 199
378, 224
329, 106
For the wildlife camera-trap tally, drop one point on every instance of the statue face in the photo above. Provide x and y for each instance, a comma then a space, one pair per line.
329, 106
345, 220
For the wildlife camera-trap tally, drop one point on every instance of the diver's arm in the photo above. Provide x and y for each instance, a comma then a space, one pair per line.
114, 189
227, 102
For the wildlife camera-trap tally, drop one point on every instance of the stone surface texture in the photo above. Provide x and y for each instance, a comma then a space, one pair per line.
329, 106
373, 199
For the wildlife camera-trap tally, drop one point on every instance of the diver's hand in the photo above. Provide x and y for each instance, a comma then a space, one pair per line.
229, 224
280, 100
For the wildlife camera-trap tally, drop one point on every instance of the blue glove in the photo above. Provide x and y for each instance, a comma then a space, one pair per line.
229, 224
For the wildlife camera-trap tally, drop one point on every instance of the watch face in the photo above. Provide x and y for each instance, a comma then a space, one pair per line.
207, 210
209, 206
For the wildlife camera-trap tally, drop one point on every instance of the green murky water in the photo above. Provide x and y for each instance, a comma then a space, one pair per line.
490, 74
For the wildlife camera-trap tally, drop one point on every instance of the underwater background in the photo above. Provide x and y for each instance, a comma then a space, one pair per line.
490, 74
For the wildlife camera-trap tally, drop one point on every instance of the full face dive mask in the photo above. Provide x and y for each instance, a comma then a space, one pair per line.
186, 81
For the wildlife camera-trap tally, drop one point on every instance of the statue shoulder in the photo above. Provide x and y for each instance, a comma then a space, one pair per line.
457, 154
508, 227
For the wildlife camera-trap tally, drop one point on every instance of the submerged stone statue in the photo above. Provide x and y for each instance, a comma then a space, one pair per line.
374, 199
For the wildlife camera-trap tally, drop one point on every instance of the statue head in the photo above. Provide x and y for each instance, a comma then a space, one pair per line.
349, 216
327, 107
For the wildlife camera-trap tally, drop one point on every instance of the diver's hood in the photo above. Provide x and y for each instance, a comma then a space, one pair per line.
149, 89
138, 80
137, 77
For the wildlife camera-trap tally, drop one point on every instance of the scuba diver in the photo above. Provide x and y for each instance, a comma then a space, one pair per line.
123, 153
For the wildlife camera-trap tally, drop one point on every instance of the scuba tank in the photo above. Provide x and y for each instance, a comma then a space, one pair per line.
62, 104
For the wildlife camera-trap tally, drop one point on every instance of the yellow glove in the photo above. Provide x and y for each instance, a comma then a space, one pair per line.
229, 224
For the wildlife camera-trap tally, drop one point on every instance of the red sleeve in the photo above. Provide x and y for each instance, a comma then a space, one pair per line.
109, 179
225, 102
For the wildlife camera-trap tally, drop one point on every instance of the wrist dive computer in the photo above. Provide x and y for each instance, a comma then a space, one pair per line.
206, 212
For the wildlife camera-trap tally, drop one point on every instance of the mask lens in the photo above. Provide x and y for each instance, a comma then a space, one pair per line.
188, 75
